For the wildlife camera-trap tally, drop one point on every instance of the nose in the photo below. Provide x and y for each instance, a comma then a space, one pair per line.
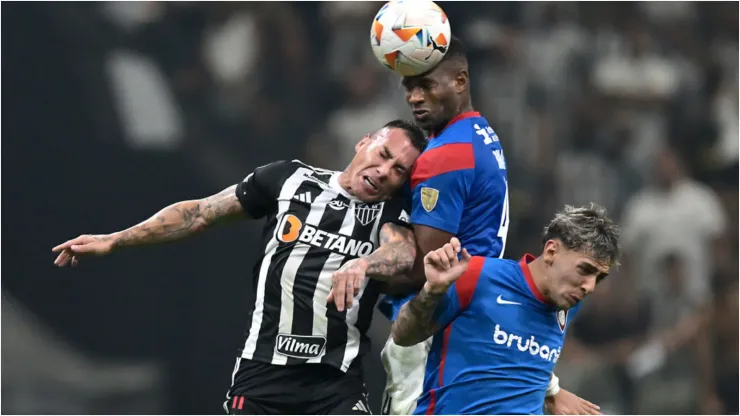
384, 169
589, 285
415, 96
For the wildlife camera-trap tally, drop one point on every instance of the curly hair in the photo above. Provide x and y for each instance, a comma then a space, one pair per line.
587, 230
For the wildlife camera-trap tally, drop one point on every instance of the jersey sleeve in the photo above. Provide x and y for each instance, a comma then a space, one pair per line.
460, 294
441, 181
396, 211
259, 191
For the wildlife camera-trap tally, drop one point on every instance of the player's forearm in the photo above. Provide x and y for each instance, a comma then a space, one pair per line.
390, 260
174, 222
181, 219
415, 321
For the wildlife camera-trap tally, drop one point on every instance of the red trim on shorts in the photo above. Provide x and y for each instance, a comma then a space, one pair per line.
445, 343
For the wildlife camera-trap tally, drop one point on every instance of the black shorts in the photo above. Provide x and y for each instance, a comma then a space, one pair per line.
261, 388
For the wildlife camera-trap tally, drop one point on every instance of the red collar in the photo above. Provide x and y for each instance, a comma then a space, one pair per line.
524, 264
459, 117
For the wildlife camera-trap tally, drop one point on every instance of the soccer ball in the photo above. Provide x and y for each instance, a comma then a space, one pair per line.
410, 37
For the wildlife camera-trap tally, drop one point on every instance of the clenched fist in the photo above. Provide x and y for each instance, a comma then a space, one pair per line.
442, 266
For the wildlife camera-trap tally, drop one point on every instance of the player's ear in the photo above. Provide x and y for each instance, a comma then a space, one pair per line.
551, 249
461, 80
362, 143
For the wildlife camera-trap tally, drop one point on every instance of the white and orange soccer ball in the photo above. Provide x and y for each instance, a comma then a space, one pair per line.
410, 37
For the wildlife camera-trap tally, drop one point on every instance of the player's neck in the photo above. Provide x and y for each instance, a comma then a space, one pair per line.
539, 275
343, 181
465, 108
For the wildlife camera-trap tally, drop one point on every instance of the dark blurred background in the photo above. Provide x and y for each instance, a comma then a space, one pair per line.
114, 110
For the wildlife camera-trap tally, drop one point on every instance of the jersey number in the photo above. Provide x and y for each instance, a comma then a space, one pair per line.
503, 228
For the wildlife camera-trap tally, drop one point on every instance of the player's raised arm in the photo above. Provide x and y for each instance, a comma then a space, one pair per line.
174, 222
252, 198
441, 181
437, 303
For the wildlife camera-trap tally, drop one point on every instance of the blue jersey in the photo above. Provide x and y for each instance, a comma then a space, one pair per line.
459, 185
499, 344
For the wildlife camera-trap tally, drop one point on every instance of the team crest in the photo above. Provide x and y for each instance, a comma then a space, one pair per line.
366, 214
562, 316
429, 198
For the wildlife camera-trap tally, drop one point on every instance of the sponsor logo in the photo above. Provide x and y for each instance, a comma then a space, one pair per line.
291, 229
337, 205
304, 197
429, 198
360, 407
300, 346
501, 301
526, 345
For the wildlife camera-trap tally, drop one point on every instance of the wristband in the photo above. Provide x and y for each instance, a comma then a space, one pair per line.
554, 387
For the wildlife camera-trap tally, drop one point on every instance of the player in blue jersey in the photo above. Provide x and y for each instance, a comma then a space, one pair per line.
499, 325
459, 188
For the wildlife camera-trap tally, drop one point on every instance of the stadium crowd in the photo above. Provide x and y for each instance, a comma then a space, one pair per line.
631, 105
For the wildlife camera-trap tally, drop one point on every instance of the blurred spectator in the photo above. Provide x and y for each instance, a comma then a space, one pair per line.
592, 101
365, 110
636, 77
673, 214
610, 327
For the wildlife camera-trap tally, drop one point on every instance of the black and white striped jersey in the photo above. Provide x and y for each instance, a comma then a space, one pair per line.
313, 226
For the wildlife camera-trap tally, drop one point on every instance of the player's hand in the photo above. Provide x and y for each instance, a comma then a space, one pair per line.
346, 283
442, 266
567, 403
84, 245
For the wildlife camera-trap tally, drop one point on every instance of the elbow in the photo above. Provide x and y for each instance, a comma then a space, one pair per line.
401, 339
409, 258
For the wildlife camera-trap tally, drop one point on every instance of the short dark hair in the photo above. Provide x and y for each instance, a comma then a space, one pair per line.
413, 132
456, 52
587, 230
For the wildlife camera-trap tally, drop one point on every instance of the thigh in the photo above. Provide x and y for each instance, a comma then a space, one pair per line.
405, 368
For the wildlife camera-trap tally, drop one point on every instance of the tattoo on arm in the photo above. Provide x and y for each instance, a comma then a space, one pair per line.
395, 255
182, 219
415, 321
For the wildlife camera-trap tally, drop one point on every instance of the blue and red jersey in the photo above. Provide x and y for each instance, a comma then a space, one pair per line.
498, 346
459, 185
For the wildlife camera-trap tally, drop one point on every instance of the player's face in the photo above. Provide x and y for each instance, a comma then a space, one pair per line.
572, 276
382, 164
433, 97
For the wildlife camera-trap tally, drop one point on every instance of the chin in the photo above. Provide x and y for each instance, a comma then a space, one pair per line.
427, 123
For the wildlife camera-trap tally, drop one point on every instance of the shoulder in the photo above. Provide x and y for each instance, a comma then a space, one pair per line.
278, 166
693, 189
442, 157
459, 133
492, 267
284, 168
495, 266
299, 164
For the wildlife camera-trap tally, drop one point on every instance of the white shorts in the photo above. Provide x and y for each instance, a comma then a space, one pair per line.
405, 368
